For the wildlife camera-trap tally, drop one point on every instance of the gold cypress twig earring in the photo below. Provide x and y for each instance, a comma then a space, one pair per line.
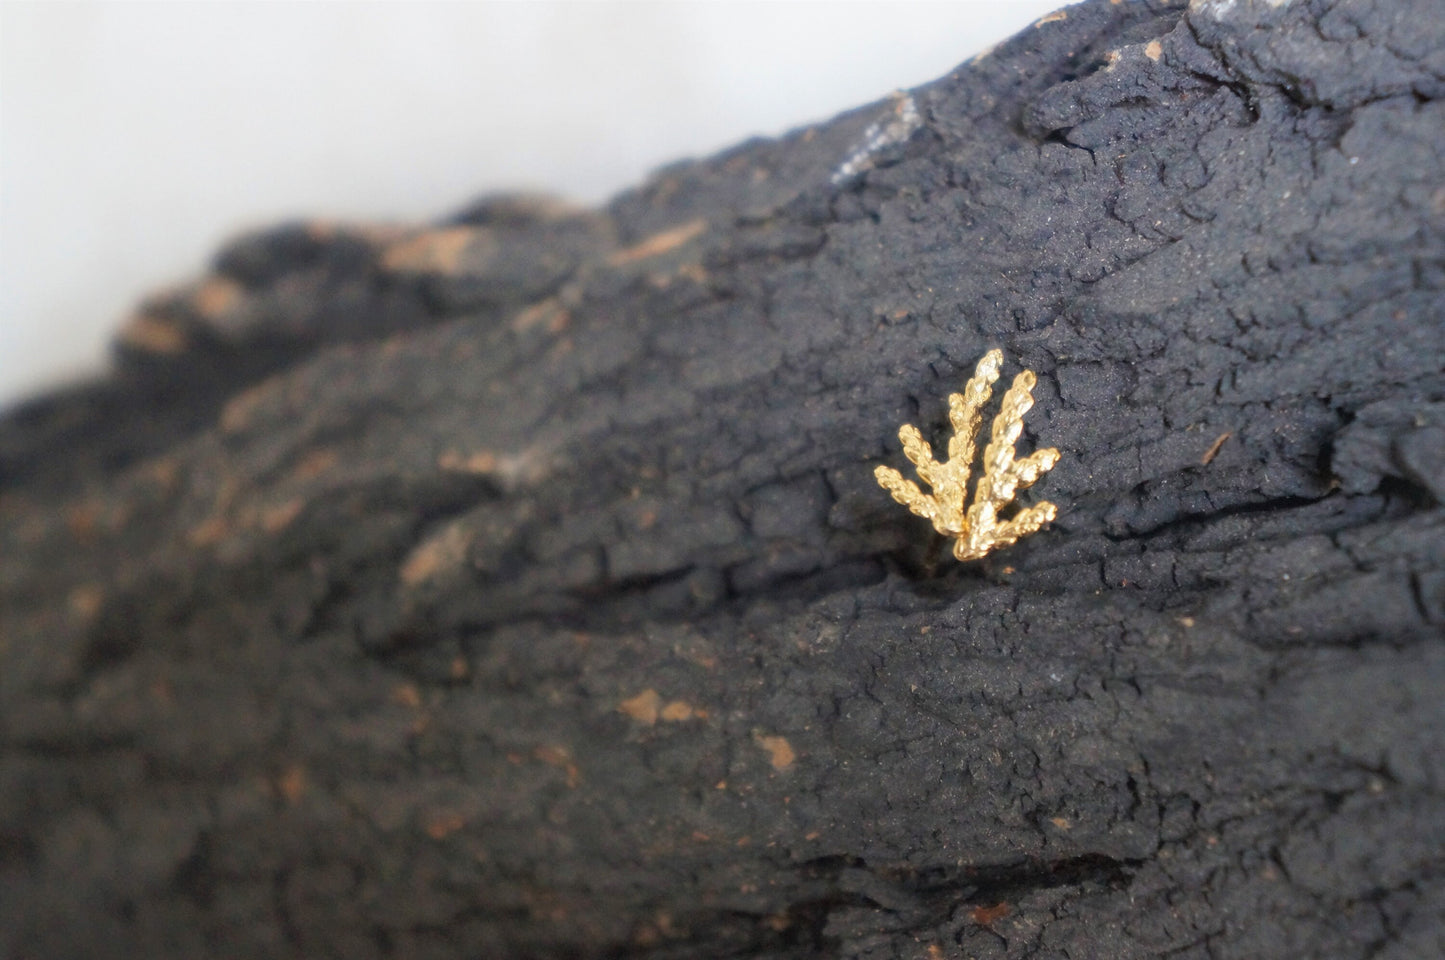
976, 529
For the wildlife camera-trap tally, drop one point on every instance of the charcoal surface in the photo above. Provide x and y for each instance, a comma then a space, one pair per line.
518, 586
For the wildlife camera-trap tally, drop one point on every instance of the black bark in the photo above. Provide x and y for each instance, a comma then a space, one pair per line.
520, 587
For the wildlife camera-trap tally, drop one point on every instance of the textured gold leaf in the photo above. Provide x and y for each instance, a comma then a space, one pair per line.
975, 527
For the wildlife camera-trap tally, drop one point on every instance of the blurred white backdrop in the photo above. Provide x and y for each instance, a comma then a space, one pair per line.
135, 138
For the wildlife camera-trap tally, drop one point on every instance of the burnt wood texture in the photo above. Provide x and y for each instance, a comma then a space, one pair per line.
518, 586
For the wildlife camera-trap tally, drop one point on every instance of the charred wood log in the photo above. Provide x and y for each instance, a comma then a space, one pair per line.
519, 586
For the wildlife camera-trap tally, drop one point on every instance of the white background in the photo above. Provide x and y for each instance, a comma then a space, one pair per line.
135, 138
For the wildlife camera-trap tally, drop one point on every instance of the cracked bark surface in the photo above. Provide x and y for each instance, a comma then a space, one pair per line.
519, 586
